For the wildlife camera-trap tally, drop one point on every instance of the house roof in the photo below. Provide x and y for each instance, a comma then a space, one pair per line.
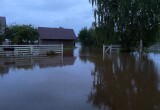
56, 33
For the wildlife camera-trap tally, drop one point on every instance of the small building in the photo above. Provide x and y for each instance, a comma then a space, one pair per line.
2, 25
156, 46
56, 36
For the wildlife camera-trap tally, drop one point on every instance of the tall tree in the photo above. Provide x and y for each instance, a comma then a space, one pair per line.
128, 21
85, 37
21, 34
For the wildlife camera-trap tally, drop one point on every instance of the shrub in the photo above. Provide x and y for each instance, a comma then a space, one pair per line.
51, 53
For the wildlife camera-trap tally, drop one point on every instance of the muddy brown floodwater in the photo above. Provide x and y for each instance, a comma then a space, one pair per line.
81, 79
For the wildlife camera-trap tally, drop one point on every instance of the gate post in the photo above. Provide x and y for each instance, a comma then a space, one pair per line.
103, 48
110, 48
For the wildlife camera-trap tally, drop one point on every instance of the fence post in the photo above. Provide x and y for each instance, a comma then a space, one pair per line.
62, 48
62, 52
103, 51
31, 47
110, 48
103, 48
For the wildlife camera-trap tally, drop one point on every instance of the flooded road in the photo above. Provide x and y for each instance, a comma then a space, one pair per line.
82, 79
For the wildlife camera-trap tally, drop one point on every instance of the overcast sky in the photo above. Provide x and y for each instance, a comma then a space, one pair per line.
73, 14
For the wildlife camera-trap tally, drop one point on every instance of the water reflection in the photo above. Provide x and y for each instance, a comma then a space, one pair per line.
7, 63
123, 82
119, 82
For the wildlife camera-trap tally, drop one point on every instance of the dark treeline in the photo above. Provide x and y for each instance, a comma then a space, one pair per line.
20, 34
125, 22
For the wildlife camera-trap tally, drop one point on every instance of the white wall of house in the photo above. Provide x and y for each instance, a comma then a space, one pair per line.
156, 46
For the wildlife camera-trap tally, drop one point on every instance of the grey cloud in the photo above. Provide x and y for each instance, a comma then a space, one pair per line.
48, 5
49, 13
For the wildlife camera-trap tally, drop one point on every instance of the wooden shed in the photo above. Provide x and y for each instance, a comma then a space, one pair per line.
56, 36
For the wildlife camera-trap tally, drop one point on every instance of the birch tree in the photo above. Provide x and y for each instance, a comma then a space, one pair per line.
127, 21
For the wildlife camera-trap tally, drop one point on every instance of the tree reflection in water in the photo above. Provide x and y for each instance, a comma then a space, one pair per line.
124, 82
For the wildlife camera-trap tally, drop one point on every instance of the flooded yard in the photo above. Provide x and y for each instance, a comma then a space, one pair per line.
82, 79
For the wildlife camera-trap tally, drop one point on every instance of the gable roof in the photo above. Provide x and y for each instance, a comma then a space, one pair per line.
56, 33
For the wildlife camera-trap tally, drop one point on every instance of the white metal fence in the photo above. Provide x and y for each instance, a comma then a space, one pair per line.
111, 48
18, 50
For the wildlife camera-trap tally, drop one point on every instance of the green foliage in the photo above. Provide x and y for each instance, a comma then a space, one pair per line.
1, 39
92, 37
1, 35
127, 21
85, 37
21, 34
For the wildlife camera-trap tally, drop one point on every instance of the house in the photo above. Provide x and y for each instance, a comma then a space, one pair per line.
56, 36
2, 25
156, 46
